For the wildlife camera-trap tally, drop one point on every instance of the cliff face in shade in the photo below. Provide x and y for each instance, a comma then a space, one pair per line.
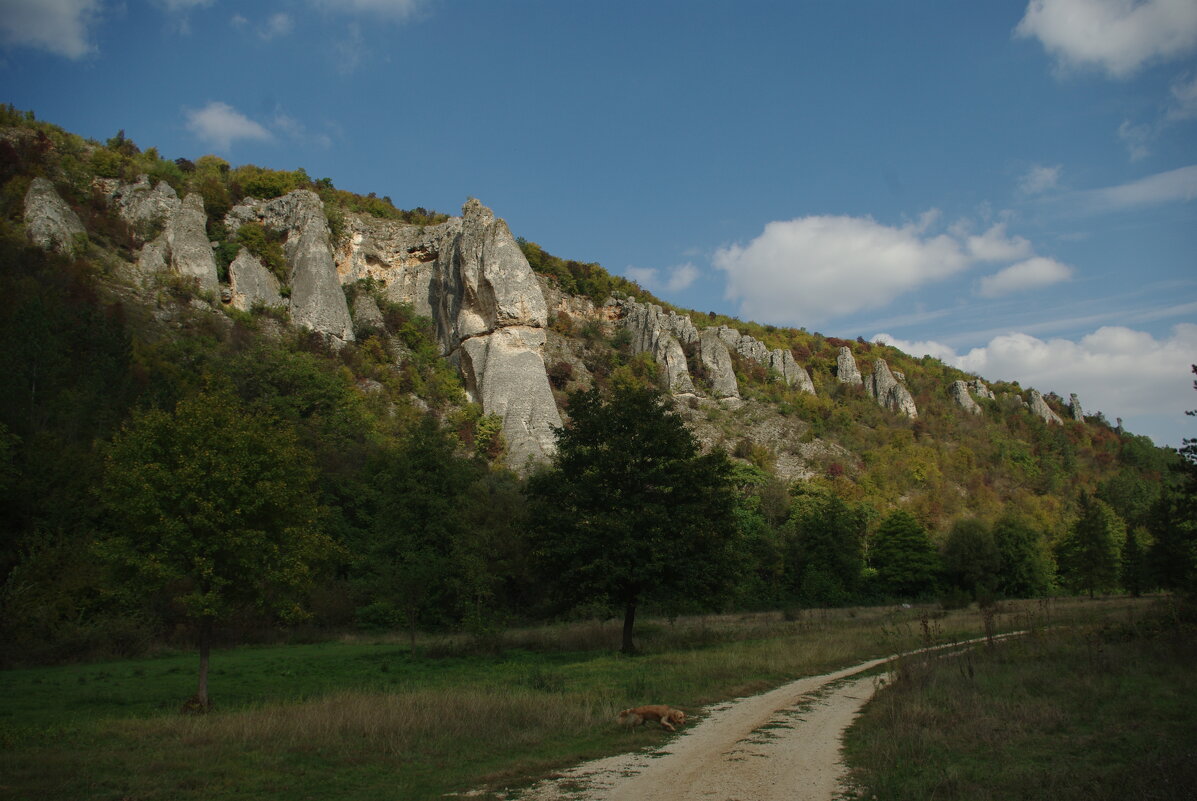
50, 223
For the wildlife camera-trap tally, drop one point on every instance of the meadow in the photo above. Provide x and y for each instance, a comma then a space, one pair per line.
367, 717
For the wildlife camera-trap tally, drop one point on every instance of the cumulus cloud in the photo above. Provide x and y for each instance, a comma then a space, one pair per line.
814, 268
996, 245
62, 27
673, 279
1137, 138
276, 25
1040, 179
1030, 274
219, 125
1120, 371
1117, 36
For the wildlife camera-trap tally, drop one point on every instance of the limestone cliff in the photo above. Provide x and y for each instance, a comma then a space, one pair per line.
960, 394
49, 221
717, 361
654, 331
317, 301
1074, 407
1038, 407
470, 276
846, 371
889, 392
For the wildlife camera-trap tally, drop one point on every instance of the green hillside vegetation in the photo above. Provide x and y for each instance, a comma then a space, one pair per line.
423, 529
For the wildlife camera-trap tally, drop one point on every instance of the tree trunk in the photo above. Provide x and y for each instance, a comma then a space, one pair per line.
629, 620
205, 648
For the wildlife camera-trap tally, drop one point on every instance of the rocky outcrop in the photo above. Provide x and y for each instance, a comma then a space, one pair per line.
143, 206
717, 362
317, 300
780, 361
505, 372
49, 222
889, 392
960, 393
251, 284
978, 389
655, 331
846, 371
186, 238
1074, 408
1038, 407
469, 275
366, 314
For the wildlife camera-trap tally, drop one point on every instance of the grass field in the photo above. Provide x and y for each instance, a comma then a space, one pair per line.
367, 718
1099, 712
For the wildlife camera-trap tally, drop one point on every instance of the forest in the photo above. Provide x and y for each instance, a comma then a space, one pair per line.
172, 472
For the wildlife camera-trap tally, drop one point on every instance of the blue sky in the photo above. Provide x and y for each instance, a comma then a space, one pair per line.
1009, 186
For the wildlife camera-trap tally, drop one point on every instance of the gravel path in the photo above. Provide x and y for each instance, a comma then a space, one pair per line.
783, 745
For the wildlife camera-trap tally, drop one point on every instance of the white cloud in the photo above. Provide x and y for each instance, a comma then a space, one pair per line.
996, 245
675, 280
276, 25
393, 9
1040, 179
1030, 274
1165, 187
919, 349
815, 268
297, 131
1136, 138
1118, 36
1184, 99
181, 6
62, 27
219, 125
1120, 371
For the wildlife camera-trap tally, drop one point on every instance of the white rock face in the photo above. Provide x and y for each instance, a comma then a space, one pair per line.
978, 388
470, 276
1040, 409
505, 372
252, 284
50, 223
1074, 406
890, 392
716, 359
653, 331
317, 300
846, 370
960, 394
186, 238
141, 205
794, 374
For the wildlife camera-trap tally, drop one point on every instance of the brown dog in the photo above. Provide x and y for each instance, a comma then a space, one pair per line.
638, 716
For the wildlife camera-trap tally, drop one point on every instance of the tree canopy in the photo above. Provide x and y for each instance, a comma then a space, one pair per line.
631, 511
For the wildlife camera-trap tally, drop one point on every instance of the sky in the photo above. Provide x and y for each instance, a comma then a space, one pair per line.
1009, 186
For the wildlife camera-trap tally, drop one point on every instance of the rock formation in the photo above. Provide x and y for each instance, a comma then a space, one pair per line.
1074, 406
960, 394
780, 361
49, 221
251, 284
978, 388
889, 392
143, 206
186, 239
716, 360
654, 331
1040, 409
317, 300
846, 370
470, 276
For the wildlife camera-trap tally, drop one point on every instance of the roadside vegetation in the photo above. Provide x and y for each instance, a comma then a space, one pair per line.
1105, 711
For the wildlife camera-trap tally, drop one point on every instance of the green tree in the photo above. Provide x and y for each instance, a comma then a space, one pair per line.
1134, 563
1172, 522
1024, 567
630, 511
212, 505
1088, 556
971, 558
826, 541
906, 562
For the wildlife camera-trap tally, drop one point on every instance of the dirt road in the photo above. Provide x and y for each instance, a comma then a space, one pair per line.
783, 745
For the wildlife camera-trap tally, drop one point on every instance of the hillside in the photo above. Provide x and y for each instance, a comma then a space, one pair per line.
423, 362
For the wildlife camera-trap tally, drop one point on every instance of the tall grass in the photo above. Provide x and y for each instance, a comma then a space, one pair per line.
1098, 712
